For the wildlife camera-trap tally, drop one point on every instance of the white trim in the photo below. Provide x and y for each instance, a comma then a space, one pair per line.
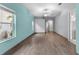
7, 8
1, 41
13, 36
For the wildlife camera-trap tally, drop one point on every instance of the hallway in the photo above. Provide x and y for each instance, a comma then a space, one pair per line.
46, 44
54, 24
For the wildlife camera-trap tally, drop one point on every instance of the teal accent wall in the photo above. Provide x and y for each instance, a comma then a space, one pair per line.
77, 33
23, 26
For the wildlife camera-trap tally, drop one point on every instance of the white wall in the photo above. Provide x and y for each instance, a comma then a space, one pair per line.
62, 24
39, 25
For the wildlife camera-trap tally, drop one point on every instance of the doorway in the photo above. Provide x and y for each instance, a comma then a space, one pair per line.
49, 26
73, 27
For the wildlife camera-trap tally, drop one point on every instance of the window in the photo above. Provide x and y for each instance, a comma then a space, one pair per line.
7, 23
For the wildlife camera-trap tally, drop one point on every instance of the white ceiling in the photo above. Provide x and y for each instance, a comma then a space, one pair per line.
53, 9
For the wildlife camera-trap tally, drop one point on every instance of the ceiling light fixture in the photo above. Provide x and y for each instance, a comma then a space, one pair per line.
45, 15
45, 12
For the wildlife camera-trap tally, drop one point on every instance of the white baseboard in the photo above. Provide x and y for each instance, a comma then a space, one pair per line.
73, 41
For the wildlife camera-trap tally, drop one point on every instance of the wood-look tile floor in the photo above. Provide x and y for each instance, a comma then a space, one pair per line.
46, 44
